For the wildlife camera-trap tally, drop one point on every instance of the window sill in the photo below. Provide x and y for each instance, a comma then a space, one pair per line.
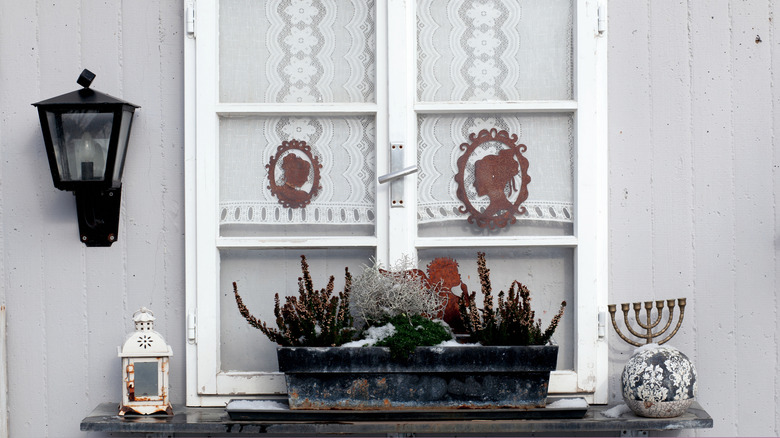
215, 421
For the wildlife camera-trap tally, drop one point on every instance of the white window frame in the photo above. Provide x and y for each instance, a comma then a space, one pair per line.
208, 387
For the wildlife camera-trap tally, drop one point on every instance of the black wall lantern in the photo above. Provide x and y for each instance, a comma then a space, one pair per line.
86, 134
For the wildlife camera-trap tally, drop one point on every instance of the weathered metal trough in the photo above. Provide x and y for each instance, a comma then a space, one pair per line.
432, 377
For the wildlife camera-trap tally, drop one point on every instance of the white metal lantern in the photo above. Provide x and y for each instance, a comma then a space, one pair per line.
145, 357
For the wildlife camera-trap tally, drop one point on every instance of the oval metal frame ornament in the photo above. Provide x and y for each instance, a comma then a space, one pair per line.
492, 174
296, 174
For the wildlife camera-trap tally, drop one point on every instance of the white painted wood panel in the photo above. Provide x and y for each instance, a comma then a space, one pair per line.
68, 307
754, 207
691, 129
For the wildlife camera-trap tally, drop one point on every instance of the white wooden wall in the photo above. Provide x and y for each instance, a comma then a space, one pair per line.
694, 188
693, 193
68, 306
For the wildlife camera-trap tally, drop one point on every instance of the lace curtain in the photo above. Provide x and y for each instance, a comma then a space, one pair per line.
294, 51
344, 146
550, 142
495, 50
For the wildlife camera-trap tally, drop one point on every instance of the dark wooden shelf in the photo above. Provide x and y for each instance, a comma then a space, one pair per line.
215, 421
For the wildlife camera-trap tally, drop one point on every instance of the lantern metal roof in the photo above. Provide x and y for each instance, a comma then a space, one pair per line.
144, 341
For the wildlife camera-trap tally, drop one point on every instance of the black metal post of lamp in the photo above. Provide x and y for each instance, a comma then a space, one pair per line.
86, 134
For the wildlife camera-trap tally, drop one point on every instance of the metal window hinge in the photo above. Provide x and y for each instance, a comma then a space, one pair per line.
190, 19
602, 325
191, 328
602, 19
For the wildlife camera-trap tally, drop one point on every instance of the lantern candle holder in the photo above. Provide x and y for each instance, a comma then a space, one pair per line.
145, 363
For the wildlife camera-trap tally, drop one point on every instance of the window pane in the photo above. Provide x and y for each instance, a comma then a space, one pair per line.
146, 379
261, 274
271, 183
472, 176
296, 51
547, 272
494, 50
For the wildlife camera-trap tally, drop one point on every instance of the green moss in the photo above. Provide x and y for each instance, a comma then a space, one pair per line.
413, 332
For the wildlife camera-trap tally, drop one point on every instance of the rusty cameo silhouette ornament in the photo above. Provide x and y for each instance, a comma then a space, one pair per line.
299, 181
495, 176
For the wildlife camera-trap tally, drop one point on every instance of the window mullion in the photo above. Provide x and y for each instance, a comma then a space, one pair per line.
590, 204
400, 18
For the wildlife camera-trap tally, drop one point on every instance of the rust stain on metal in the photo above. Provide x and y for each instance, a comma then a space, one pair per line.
359, 389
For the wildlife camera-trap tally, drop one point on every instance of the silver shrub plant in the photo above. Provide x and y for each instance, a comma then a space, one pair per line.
401, 289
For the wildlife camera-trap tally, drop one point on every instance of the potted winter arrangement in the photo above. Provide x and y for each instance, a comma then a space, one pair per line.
387, 342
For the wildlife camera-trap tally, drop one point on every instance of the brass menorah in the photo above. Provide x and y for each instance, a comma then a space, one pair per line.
649, 325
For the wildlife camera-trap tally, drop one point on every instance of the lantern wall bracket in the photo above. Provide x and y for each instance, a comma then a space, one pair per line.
98, 215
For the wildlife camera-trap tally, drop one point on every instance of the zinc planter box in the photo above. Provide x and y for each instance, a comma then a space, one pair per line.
432, 377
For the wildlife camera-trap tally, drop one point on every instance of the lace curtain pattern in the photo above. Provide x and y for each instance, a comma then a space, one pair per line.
550, 142
297, 51
300, 51
494, 50
344, 147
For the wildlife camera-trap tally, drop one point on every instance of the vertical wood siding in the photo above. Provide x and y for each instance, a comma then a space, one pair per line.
68, 306
693, 190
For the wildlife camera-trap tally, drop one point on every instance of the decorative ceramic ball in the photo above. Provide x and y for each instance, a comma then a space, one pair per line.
659, 381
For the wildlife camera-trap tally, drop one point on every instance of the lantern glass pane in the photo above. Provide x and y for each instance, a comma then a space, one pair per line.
124, 137
146, 379
80, 140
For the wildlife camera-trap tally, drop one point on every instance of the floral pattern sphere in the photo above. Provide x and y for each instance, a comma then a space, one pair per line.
659, 381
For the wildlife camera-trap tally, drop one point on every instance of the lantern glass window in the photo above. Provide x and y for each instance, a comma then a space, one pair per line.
124, 137
80, 140
147, 383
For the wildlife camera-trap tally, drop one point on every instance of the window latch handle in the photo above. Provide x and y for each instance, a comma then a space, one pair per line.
397, 174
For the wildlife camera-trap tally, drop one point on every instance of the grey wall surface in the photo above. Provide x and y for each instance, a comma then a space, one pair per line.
69, 307
693, 194
694, 189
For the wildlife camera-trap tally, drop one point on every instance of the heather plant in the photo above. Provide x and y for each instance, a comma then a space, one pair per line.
512, 322
316, 318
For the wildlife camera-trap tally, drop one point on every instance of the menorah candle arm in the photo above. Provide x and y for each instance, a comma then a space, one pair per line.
637, 317
659, 307
651, 325
628, 325
679, 323
668, 323
617, 329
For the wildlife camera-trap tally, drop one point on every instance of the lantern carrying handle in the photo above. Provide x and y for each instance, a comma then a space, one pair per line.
85, 78
142, 310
